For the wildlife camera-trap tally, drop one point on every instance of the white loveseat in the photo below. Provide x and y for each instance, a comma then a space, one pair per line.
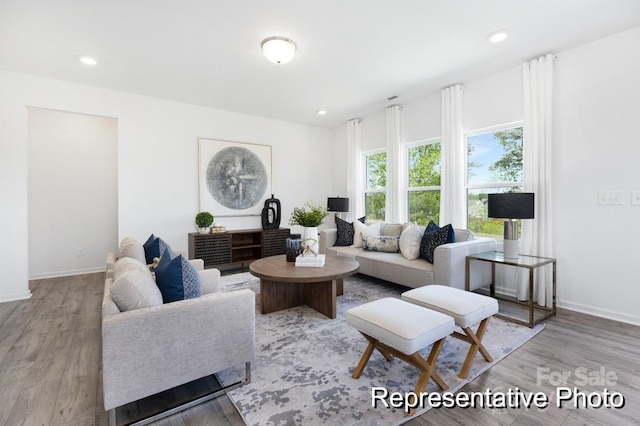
151, 349
448, 267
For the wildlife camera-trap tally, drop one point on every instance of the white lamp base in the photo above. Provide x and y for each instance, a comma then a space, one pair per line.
511, 249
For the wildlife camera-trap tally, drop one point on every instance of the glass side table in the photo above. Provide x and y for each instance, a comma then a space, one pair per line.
523, 261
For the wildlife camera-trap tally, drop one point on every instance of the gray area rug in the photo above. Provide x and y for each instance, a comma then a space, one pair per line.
302, 371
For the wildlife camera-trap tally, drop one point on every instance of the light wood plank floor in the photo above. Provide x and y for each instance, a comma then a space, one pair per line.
50, 370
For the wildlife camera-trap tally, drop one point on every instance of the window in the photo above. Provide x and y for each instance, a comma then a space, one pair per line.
423, 182
494, 164
376, 182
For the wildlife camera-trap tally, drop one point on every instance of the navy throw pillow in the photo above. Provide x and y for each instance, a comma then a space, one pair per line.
432, 239
155, 247
345, 231
432, 226
177, 279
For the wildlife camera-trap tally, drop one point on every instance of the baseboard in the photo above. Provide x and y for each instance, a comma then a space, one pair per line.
585, 309
599, 312
66, 273
15, 296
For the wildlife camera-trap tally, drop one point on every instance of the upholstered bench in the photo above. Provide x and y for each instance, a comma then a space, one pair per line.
398, 328
466, 308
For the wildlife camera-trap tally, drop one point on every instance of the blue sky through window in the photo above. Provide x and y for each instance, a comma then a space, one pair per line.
486, 151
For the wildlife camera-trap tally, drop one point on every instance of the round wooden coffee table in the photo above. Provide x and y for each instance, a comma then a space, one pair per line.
284, 285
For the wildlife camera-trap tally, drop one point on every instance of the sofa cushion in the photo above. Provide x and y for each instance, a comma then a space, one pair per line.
351, 252
130, 247
135, 289
155, 247
387, 244
433, 239
177, 278
463, 235
126, 264
410, 240
360, 230
345, 231
391, 229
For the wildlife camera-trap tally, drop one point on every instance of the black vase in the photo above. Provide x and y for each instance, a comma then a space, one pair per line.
271, 213
294, 247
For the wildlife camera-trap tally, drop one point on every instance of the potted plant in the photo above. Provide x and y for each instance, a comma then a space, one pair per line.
309, 217
204, 221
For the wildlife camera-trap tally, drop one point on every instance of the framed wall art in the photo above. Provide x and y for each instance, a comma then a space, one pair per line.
234, 177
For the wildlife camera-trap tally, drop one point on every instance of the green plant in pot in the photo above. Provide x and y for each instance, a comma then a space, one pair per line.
310, 217
203, 221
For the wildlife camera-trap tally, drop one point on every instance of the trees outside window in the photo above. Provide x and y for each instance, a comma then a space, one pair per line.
494, 164
423, 182
376, 183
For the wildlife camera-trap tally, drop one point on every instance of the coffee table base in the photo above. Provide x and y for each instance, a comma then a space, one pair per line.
321, 296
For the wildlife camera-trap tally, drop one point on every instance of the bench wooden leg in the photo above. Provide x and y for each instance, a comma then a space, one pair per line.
426, 366
475, 339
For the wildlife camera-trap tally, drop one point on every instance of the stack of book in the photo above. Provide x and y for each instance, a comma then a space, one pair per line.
310, 261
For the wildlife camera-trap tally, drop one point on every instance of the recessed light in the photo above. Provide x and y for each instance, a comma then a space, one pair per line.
498, 36
322, 111
88, 60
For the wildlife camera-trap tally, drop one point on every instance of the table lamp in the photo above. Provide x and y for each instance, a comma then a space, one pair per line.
337, 204
511, 206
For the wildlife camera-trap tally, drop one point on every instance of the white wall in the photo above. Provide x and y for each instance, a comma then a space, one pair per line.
73, 191
596, 128
596, 148
157, 162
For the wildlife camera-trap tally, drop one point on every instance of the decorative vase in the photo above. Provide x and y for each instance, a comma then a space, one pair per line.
203, 230
310, 241
271, 213
294, 247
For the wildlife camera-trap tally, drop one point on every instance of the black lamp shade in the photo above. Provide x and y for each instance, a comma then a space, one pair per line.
511, 205
337, 204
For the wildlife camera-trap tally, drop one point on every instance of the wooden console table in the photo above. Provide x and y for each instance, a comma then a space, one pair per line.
523, 261
237, 247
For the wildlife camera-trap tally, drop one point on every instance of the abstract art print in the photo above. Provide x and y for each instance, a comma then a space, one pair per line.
234, 177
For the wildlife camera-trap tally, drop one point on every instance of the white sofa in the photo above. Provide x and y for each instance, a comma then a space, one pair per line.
448, 267
151, 349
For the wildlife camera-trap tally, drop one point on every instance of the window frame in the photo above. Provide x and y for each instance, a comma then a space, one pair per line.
489, 185
366, 190
407, 188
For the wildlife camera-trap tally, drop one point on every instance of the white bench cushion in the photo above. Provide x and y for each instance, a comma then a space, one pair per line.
465, 307
399, 324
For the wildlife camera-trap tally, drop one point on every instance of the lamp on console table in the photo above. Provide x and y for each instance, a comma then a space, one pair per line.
511, 206
337, 204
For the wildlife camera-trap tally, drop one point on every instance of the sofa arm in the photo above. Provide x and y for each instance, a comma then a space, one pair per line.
149, 350
327, 238
210, 279
197, 263
449, 263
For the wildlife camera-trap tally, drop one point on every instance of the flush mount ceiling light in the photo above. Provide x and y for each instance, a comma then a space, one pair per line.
87, 60
278, 50
498, 36
321, 111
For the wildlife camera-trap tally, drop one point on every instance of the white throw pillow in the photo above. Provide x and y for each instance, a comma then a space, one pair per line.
135, 289
360, 230
410, 241
130, 247
126, 264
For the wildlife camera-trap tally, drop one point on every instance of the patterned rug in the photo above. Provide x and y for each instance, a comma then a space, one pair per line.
302, 371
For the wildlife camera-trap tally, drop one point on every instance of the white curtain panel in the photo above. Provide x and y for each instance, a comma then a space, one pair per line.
355, 169
393, 204
453, 205
537, 155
